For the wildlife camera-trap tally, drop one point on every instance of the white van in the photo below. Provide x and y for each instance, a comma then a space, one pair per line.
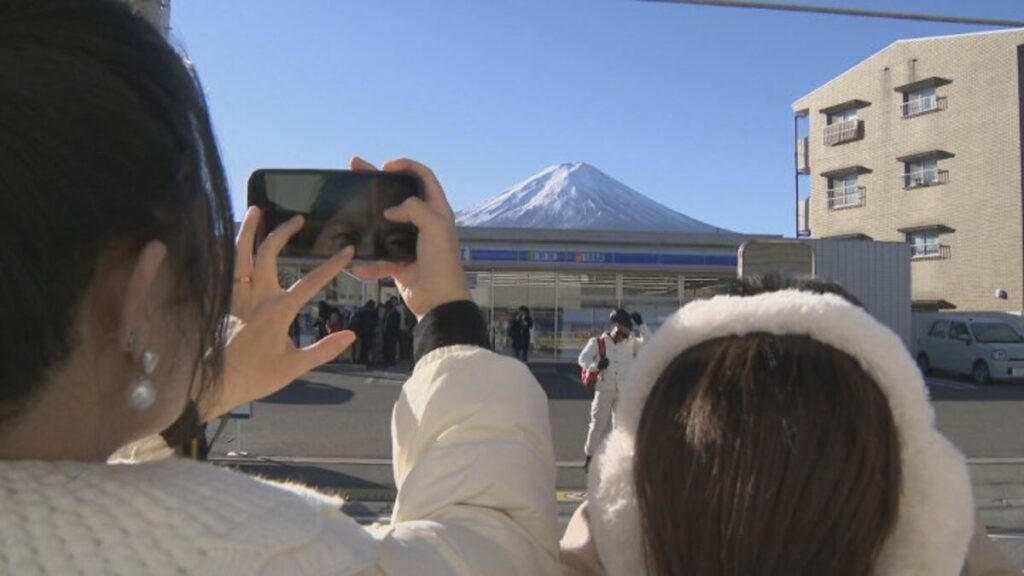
985, 347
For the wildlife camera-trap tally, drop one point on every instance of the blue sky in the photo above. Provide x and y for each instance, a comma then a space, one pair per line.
689, 105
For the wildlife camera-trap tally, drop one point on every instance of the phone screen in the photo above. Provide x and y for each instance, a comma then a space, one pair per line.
341, 208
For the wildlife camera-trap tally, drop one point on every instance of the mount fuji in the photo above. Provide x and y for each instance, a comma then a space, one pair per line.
578, 196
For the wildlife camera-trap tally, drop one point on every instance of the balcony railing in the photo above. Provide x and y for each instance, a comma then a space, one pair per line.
924, 178
930, 251
919, 106
848, 197
845, 131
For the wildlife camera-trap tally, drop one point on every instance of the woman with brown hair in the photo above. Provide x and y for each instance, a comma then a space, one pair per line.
784, 432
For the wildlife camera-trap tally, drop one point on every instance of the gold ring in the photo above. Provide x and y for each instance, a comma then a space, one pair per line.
244, 279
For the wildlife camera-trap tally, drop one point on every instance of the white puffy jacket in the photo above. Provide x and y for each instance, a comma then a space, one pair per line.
620, 357
473, 463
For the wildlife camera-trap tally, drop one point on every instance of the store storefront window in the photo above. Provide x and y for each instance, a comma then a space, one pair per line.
654, 296
510, 291
698, 288
481, 289
542, 302
585, 300
569, 308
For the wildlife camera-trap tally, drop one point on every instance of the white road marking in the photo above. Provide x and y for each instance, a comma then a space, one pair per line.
377, 381
331, 379
1014, 460
951, 384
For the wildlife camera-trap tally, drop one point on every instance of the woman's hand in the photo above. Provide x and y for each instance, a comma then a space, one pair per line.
436, 277
260, 357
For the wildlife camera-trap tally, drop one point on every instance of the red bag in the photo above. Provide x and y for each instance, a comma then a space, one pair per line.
589, 377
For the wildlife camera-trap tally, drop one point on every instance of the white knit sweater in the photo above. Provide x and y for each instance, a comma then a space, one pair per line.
167, 517
473, 463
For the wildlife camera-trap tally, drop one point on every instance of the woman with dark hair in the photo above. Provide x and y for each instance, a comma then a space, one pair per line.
520, 329
128, 313
781, 431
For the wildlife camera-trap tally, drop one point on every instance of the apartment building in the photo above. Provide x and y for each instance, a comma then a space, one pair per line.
921, 143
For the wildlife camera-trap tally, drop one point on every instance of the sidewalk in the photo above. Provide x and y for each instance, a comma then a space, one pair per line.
560, 380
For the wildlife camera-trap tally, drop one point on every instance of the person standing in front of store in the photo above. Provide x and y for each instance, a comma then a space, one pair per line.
519, 331
621, 343
364, 324
390, 331
322, 317
405, 339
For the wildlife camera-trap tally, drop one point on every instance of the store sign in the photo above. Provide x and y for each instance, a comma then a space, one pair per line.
600, 258
566, 256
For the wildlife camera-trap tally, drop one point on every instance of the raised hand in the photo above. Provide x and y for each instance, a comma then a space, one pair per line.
436, 277
260, 357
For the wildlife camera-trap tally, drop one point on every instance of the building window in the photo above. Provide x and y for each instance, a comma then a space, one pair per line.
585, 300
923, 172
844, 192
922, 169
925, 244
921, 101
843, 126
654, 296
535, 290
842, 116
920, 97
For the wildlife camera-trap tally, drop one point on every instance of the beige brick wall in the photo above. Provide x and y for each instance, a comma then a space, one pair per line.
981, 126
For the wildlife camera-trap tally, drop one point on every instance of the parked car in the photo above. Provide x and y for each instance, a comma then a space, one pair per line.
985, 348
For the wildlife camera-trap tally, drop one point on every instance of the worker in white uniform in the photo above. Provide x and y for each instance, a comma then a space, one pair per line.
621, 344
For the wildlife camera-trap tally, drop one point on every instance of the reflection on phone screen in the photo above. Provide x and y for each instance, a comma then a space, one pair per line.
341, 209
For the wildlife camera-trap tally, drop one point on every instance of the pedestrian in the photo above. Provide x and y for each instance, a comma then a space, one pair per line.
364, 324
372, 341
620, 346
392, 326
335, 324
782, 432
350, 324
323, 317
129, 311
520, 329
405, 338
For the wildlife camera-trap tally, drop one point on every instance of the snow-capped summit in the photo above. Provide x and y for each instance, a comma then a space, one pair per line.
578, 196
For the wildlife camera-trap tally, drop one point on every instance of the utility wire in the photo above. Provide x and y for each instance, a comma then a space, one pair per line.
816, 9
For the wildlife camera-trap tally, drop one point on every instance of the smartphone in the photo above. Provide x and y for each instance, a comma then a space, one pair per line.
341, 208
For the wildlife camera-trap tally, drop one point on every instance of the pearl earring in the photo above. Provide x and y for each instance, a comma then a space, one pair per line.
142, 392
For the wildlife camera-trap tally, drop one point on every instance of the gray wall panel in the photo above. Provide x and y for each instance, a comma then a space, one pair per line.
877, 273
